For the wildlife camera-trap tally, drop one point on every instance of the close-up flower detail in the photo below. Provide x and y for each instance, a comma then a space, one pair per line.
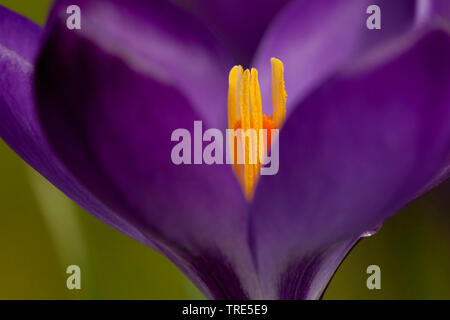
245, 113
362, 120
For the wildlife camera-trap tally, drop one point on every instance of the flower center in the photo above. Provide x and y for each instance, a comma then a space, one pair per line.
245, 112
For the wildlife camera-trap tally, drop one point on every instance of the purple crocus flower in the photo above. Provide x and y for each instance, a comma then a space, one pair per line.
367, 127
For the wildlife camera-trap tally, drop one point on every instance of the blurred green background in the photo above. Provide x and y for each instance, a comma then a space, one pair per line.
42, 232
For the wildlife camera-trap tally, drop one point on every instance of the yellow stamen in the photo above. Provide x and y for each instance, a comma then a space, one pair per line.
255, 100
234, 92
278, 92
234, 109
245, 125
245, 112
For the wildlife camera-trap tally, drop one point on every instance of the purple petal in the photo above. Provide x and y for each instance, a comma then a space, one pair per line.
315, 38
307, 277
18, 34
354, 152
240, 24
433, 8
19, 126
110, 118
162, 41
